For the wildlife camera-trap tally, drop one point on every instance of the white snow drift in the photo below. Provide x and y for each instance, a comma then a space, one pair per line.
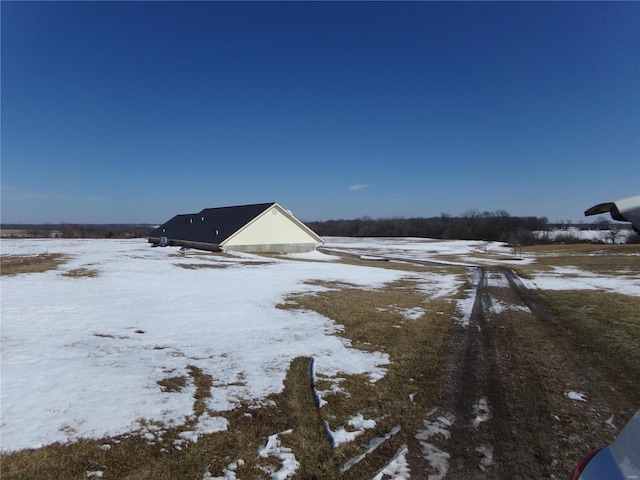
81, 357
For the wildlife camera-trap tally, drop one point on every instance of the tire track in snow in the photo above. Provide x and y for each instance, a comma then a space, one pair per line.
507, 375
457, 440
472, 437
479, 395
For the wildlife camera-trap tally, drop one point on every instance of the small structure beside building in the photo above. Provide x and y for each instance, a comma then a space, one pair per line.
258, 228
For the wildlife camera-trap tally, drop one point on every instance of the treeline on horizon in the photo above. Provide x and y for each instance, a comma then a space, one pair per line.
76, 230
472, 225
496, 226
488, 226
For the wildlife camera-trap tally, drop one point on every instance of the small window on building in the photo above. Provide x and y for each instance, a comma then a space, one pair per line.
216, 232
191, 220
203, 219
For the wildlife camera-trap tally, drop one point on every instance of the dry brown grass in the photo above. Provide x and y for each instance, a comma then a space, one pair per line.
372, 321
203, 384
196, 266
604, 259
81, 273
607, 322
17, 264
608, 325
173, 384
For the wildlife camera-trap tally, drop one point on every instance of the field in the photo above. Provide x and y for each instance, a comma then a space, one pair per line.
374, 358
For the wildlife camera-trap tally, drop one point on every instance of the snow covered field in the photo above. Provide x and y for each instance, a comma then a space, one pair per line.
70, 346
81, 356
468, 252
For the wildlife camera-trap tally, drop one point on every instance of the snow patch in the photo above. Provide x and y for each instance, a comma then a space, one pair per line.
397, 468
481, 412
145, 319
373, 444
486, 456
189, 436
407, 313
228, 473
437, 458
207, 424
358, 424
465, 305
412, 313
274, 448
499, 307
578, 397
571, 278
437, 285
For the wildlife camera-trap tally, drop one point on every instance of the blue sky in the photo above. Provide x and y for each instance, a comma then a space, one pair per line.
118, 112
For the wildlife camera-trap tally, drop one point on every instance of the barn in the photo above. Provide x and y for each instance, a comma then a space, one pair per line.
263, 227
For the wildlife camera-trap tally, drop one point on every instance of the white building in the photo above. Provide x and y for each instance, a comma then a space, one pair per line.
264, 227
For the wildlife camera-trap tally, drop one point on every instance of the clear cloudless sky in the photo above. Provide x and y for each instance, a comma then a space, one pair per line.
120, 112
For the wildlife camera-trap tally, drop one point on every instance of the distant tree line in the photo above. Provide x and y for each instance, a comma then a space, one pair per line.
75, 230
471, 225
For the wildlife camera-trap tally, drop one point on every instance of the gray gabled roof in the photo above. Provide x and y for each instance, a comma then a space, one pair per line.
211, 225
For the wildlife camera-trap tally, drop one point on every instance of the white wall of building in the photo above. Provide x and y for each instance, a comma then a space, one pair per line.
274, 230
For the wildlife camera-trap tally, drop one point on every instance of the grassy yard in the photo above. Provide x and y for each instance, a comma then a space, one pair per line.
604, 259
16, 264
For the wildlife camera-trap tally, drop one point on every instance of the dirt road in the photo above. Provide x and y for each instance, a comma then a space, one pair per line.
525, 399
525, 396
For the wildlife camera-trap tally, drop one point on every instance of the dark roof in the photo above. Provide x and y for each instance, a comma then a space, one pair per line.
211, 225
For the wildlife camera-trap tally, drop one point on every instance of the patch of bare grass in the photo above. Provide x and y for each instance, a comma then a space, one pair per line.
332, 285
81, 273
602, 259
308, 439
196, 266
372, 320
203, 383
18, 264
173, 384
608, 325
109, 335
